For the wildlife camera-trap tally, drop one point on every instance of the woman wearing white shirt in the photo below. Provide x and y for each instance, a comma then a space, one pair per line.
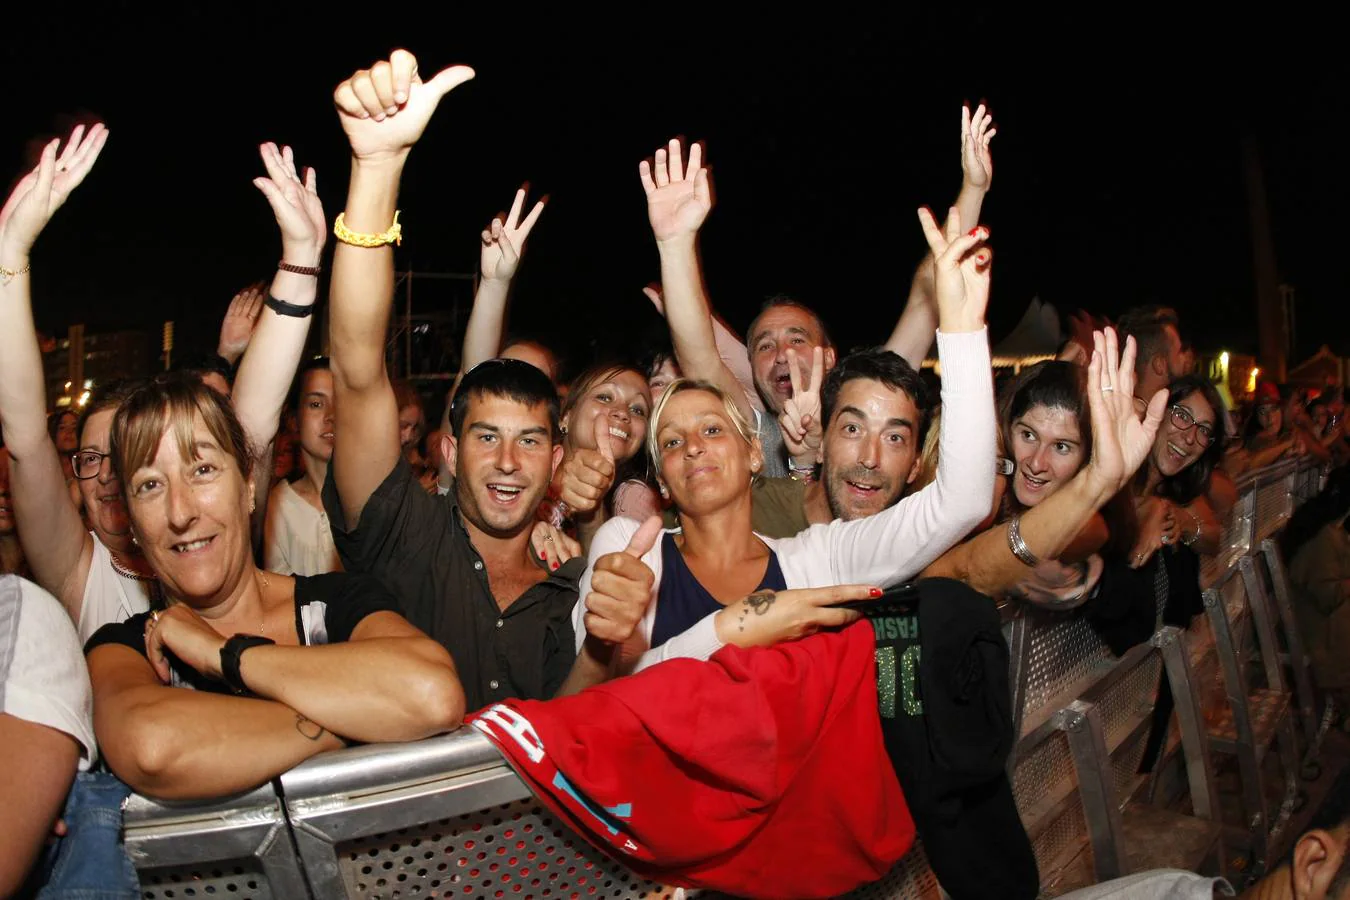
298, 540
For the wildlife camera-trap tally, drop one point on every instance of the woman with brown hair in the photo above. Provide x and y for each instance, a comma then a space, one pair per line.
280, 666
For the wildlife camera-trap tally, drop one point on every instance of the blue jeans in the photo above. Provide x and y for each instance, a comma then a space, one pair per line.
90, 862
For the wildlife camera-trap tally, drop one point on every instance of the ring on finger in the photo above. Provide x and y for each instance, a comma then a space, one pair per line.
548, 539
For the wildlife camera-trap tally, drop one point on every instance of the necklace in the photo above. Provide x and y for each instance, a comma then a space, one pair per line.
266, 584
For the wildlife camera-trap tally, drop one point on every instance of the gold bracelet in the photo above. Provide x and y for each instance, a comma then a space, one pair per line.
8, 275
393, 236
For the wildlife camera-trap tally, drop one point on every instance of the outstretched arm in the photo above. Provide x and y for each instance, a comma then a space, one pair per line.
679, 199
503, 246
273, 353
55, 542
1120, 442
383, 110
913, 334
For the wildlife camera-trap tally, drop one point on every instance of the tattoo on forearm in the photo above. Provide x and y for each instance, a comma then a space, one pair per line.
307, 728
758, 602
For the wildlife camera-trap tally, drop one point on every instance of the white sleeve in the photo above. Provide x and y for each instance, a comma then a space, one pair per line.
699, 641
43, 678
612, 537
274, 532
898, 543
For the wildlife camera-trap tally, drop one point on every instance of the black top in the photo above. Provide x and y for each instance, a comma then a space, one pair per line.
327, 610
418, 546
683, 601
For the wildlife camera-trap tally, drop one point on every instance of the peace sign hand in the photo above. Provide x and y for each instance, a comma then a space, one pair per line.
504, 240
800, 420
961, 261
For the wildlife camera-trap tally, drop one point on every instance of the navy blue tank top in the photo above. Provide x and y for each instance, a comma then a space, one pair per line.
681, 601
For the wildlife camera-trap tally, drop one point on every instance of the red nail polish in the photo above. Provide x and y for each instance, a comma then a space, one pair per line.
555, 564
982, 259
975, 232
874, 593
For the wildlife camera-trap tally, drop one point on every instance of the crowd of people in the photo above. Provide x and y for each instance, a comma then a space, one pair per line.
267, 557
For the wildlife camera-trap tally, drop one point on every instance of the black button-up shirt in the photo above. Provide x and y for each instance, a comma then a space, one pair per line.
417, 545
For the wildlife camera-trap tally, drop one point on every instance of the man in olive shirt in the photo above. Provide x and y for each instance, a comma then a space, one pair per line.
461, 565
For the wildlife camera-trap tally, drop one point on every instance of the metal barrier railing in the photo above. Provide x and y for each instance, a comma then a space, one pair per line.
447, 816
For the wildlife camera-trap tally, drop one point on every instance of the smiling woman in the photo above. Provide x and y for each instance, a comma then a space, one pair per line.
266, 694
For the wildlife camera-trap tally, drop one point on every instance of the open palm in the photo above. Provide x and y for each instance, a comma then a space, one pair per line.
294, 202
976, 132
1120, 440
40, 193
678, 198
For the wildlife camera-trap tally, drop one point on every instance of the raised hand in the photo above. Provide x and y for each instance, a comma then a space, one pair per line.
976, 132
236, 330
588, 474
40, 193
1120, 441
961, 262
385, 109
800, 420
296, 205
679, 198
621, 588
504, 240
765, 618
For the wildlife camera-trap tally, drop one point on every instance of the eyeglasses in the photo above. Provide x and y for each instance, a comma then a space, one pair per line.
88, 463
1182, 420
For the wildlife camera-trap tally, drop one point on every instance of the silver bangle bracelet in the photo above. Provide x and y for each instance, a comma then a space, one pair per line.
1018, 546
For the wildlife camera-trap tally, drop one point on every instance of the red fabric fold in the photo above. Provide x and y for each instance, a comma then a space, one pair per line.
759, 773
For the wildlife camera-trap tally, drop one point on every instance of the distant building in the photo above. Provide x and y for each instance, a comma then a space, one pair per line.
105, 357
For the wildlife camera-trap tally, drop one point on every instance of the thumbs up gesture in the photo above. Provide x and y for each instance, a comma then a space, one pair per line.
588, 474
621, 588
385, 109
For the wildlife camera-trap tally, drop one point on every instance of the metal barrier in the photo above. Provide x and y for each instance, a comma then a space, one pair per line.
447, 817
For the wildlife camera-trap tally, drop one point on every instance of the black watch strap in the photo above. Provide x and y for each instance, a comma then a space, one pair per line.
282, 308
229, 659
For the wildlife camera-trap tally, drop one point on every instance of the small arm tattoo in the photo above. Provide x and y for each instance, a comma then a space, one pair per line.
308, 728
758, 602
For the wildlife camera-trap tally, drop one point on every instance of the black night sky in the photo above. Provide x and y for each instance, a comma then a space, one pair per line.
1118, 175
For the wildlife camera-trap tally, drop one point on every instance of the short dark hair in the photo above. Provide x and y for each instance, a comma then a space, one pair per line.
778, 302
1193, 480
509, 379
1056, 384
1148, 326
877, 364
318, 363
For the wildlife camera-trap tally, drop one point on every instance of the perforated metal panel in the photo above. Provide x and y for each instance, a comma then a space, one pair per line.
518, 850
1042, 777
1273, 506
236, 880
1065, 657
911, 879
1061, 842
1130, 700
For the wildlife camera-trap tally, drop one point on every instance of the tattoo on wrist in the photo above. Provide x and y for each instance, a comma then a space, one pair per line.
308, 728
758, 602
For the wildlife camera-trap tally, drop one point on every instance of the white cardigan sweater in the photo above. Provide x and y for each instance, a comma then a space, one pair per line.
885, 549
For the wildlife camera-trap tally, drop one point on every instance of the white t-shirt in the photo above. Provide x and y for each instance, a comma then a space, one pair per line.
43, 678
1159, 884
110, 596
296, 538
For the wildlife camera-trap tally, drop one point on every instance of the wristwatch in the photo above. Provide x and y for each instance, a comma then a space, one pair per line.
229, 660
